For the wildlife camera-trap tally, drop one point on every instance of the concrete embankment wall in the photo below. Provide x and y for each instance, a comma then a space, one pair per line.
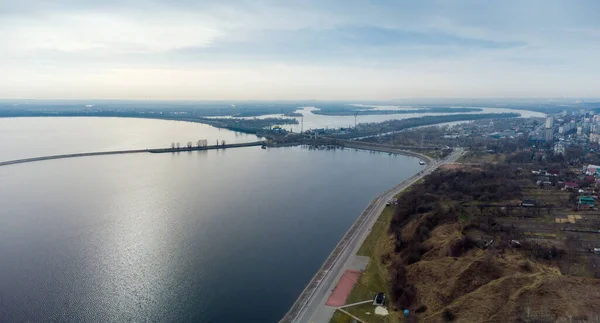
34, 159
133, 151
387, 149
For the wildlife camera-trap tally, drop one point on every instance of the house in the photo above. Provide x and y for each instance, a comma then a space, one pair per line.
554, 172
528, 203
592, 170
586, 202
571, 186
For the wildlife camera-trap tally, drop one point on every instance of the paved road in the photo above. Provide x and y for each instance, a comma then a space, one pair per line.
314, 309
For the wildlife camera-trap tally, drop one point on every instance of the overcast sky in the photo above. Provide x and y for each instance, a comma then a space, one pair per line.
309, 49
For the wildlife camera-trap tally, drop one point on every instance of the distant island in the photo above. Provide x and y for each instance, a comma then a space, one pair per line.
350, 111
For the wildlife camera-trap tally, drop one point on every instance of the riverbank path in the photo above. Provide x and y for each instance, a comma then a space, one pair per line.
310, 306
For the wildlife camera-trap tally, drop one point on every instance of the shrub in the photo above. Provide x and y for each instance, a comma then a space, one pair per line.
526, 266
461, 246
448, 316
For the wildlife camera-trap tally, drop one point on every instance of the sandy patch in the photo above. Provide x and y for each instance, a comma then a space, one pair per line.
380, 310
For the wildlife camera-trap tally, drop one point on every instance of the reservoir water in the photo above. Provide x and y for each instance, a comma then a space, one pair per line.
33, 137
212, 236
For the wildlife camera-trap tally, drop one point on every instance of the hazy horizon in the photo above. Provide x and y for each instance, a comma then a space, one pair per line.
317, 50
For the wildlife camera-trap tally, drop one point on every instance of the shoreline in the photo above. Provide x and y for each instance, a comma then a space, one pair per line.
327, 274
361, 146
204, 121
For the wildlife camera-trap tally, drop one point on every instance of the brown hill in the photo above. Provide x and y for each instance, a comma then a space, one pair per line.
489, 286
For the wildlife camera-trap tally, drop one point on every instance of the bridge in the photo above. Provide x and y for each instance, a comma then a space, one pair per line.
133, 151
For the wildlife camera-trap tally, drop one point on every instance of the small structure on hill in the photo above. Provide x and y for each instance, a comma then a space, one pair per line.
585, 202
379, 299
528, 203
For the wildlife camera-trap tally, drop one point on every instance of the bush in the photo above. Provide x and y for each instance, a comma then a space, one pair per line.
413, 253
385, 258
448, 316
526, 266
402, 294
461, 246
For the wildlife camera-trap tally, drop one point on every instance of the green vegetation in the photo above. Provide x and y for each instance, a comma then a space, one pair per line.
351, 110
189, 108
254, 126
378, 230
372, 129
340, 317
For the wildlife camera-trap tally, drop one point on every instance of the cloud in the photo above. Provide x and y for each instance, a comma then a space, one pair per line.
464, 46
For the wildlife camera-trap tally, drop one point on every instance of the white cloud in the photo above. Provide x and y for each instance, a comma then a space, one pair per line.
261, 50
110, 34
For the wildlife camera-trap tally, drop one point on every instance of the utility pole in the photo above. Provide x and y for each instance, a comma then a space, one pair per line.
355, 114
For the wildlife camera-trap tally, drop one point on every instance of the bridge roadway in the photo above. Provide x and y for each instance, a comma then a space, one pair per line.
310, 306
134, 151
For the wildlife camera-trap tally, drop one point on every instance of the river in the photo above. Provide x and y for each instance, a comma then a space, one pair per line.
211, 236
317, 121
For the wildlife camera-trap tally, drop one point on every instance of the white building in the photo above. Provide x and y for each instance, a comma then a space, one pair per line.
549, 122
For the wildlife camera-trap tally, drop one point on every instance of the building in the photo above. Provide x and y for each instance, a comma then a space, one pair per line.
571, 186
592, 169
548, 134
549, 122
594, 137
579, 130
559, 148
528, 203
379, 299
586, 201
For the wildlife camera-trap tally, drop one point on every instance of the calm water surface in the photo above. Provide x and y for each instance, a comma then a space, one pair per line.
213, 236
33, 137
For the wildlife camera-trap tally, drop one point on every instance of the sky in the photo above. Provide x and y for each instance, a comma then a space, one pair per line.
309, 49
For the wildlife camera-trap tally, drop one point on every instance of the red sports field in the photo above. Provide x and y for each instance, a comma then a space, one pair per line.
343, 288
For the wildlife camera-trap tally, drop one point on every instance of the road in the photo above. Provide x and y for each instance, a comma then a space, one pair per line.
312, 300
